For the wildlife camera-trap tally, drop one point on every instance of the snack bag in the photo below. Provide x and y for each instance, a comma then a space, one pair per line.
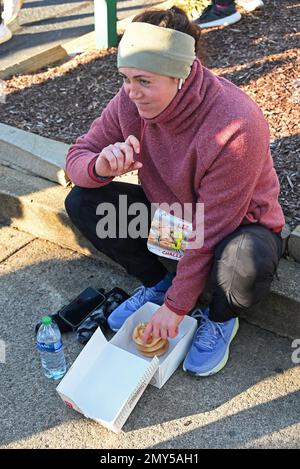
169, 235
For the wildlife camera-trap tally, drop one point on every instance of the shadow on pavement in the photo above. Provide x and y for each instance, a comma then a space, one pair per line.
29, 404
245, 428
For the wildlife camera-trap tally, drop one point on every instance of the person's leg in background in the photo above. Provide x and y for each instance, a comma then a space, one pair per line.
11, 10
245, 263
224, 13
5, 32
132, 254
250, 5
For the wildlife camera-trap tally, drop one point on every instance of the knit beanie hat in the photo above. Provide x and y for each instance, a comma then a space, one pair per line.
156, 49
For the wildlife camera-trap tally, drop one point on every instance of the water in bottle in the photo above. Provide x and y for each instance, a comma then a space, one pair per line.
49, 344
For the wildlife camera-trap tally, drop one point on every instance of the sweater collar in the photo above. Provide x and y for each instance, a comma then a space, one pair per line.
179, 113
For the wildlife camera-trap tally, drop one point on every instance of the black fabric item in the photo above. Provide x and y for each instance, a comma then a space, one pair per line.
244, 266
98, 317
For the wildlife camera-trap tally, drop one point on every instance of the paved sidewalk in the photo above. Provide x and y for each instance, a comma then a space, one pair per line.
253, 402
47, 23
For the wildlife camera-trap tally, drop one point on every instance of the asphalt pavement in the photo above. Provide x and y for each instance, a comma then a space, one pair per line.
46, 23
252, 403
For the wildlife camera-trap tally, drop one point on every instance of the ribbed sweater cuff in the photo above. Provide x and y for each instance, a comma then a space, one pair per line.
91, 171
180, 312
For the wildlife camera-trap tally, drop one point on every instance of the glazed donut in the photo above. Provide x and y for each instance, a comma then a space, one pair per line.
153, 346
157, 353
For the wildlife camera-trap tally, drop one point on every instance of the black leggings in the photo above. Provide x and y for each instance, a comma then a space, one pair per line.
0, 11
244, 263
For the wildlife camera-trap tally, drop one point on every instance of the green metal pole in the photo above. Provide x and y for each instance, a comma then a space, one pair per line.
105, 23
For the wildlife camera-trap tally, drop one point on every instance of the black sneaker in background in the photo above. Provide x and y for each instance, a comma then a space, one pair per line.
215, 15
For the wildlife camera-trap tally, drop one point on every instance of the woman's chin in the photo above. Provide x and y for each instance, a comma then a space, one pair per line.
146, 115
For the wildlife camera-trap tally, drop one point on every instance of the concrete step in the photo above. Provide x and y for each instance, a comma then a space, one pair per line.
36, 206
280, 311
38, 156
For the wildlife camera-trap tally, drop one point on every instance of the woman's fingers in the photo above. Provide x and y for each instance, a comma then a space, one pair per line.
136, 165
173, 332
111, 159
115, 158
134, 143
164, 333
156, 331
120, 157
127, 152
147, 333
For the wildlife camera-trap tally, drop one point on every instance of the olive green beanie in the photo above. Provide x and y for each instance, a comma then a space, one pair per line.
156, 49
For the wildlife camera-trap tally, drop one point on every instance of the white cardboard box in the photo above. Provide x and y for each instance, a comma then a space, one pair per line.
108, 378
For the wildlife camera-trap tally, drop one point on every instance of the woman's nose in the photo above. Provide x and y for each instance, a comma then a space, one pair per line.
134, 92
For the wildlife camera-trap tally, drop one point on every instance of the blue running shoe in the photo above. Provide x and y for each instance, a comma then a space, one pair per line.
199, 313
209, 352
139, 297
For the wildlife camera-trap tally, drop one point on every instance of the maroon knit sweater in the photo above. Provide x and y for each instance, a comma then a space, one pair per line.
210, 145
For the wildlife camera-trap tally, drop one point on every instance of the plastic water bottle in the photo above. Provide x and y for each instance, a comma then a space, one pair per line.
49, 344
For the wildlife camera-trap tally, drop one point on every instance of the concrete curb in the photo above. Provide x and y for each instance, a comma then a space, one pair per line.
36, 206
37, 155
280, 311
294, 244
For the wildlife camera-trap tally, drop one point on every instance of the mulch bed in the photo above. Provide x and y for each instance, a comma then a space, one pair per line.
259, 54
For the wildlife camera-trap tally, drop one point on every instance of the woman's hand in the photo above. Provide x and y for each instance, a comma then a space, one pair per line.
117, 159
164, 323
